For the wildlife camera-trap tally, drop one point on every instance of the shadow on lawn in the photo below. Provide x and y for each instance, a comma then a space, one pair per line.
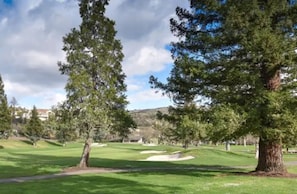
109, 185
91, 184
26, 141
31, 164
53, 143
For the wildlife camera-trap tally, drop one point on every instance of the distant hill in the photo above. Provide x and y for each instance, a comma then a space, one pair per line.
146, 117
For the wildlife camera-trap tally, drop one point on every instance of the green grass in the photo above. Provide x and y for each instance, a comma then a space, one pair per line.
212, 171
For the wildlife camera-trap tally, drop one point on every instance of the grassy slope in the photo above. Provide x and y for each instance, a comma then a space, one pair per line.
50, 157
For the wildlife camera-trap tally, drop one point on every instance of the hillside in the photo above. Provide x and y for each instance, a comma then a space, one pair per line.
146, 117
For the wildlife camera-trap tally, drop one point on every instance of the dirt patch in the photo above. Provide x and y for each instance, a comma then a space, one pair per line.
79, 170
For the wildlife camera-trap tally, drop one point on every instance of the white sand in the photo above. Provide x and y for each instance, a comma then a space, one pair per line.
152, 152
149, 144
173, 157
98, 145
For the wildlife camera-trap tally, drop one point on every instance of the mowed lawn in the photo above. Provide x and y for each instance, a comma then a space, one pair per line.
213, 170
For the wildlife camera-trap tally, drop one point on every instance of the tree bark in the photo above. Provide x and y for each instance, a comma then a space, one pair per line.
227, 146
270, 157
84, 161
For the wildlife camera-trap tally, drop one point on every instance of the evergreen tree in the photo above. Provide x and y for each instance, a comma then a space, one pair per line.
95, 86
13, 104
34, 127
242, 55
123, 124
5, 116
64, 124
186, 125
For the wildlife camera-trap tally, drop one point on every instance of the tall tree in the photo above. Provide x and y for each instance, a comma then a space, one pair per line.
5, 116
242, 54
95, 86
35, 128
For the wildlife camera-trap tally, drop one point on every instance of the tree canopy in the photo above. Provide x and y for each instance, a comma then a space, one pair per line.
35, 127
5, 115
95, 87
241, 54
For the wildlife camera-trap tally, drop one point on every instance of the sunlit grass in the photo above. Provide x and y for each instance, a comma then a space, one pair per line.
211, 171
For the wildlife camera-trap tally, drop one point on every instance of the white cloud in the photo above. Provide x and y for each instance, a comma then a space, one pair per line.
3, 21
147, 99
53, 99
147, 60
36, 59
146, 95
16, 88
31, 45
31, 34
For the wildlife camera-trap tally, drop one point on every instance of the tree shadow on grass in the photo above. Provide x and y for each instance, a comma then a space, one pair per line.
53, 143
32, 164
90, 184
26, 141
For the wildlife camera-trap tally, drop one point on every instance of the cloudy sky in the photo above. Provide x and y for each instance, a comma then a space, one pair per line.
31, 34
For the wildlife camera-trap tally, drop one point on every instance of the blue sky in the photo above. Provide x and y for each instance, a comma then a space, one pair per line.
31, 34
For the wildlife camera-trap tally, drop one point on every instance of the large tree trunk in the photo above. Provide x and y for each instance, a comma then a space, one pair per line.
270, 157
84, 161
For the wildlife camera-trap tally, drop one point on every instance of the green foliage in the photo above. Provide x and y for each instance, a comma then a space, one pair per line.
95, 86
240, 54
5, 115
34, 127
123, 123
163, 128
186, 127
223, 123
64, 124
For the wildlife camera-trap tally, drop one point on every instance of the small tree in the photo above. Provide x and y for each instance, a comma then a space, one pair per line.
13, 104
5, 116
187, 125
224, 123
123, 124
34, 127
162, 127
65, 124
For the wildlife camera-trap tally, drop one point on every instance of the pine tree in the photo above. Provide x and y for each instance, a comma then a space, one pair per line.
123, 124
5, 116
34, 128
242, 55
95, 86
64, 124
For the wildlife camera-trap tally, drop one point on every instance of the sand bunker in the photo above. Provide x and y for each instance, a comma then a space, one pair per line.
152, 152
149, 144
98, 145
173, 157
